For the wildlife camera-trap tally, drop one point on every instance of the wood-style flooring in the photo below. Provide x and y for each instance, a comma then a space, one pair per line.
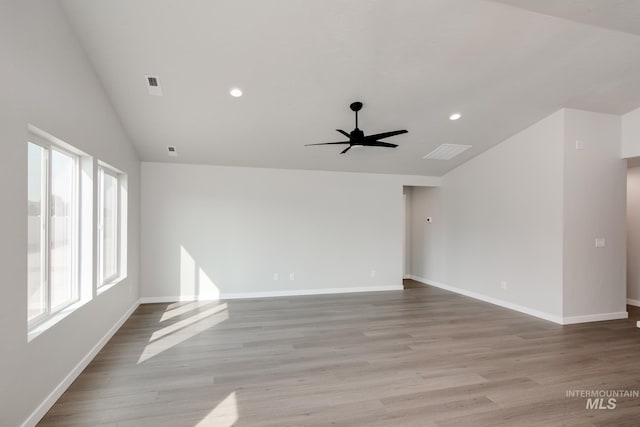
418, 357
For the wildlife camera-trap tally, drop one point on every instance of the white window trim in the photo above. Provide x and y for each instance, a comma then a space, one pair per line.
41, 322
104, 283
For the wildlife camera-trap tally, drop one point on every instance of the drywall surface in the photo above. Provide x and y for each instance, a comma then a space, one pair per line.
498, 218
633, 234
46, 81
518, 223
631, 134
594, 207
210, 231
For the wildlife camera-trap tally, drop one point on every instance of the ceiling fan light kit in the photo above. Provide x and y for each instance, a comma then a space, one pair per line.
357, 137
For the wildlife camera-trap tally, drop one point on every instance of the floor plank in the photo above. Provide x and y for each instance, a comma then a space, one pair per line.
422, 357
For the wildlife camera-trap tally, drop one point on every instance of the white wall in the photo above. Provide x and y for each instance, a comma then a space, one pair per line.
210, 231
46, 80
594, 279
527, 212
631, 134
498, 218
633, 235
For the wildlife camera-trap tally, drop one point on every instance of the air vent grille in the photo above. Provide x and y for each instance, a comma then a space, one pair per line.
153, 85
446, 152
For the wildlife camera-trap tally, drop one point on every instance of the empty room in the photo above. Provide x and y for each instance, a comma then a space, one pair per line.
312, 213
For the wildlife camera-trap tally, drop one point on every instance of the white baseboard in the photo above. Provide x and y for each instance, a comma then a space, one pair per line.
269, 294
491, 300
42, 409
595, 317
526, 310
633, 302
153, 300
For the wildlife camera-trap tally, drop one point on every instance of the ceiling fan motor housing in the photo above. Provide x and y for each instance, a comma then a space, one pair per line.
357, 135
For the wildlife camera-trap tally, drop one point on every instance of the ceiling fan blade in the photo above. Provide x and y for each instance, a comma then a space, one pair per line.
385, 134
328, 143
379, 144
344, 133
345, 150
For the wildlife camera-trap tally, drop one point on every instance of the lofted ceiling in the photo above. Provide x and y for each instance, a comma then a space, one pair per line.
502, 64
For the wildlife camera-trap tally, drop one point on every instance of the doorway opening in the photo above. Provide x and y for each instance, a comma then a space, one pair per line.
418, 250
633, 238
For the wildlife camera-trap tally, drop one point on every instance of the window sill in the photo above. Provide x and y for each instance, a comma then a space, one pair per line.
42, 327
102, 289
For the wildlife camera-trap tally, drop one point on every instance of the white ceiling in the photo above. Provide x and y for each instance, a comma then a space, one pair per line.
300, 64
619, 15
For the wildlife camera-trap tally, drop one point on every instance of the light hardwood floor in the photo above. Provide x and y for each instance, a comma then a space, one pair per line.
418, 357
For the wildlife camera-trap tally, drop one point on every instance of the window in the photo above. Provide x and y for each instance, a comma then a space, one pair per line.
53, 229
109, 225
69, 262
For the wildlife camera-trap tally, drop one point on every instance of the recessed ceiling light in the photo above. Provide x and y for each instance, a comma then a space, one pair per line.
235, 92
455, 116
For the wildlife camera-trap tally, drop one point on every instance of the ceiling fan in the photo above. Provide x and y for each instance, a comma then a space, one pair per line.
357, 137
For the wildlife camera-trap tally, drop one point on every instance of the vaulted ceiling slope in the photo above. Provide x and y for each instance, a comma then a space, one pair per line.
502, 64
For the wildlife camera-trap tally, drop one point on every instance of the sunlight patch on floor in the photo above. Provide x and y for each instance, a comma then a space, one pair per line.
175, 310
187, 322
173, 335
223, 415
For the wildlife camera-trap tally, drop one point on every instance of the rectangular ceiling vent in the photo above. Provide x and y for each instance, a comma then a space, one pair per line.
171, 150
153, 85
446, 152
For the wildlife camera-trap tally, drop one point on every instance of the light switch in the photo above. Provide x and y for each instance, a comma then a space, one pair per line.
579, 145
600, 242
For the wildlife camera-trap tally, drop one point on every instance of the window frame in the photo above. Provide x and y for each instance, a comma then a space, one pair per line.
103, 282
48, 147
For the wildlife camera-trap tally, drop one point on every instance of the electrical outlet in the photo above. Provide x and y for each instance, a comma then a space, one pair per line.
503, 284
276, 276
373, 274
600, 242
292, 276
